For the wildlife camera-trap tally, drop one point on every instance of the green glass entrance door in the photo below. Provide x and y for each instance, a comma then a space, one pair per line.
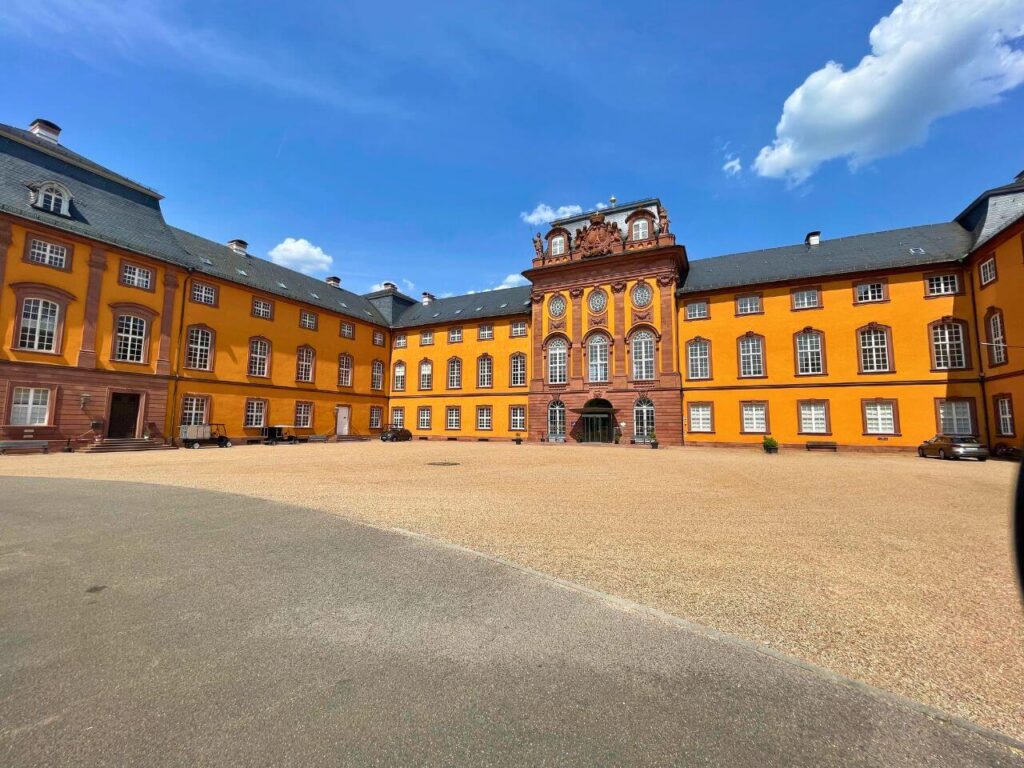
597, 428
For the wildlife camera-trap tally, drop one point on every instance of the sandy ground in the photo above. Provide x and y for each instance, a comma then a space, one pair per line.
893, 570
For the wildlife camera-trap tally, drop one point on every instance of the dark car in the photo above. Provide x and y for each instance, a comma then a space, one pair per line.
953, 447
393, 434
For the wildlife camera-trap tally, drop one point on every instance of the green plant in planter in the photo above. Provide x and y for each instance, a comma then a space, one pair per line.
770, 444
617, 434
652, 438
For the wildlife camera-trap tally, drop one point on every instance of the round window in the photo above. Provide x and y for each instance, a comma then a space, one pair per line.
642, 295
597, 301
557, 306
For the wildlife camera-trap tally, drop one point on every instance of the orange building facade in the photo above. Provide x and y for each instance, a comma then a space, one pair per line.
115, 325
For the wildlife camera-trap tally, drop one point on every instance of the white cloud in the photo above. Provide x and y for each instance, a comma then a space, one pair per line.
301, 255
600, 206
929, 58
511, 281
732, 166
544, 213
408, 284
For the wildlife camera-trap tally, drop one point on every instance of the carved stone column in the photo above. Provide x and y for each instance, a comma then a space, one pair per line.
619, 334
97, 266
163, 357
667, 286
536, 416
576, 350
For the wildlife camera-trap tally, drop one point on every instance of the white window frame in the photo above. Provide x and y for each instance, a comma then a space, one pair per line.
806, 298
307, 320
255, 413
880, 418
955, 414
53, 198
304, 414
814, 418
700, 417
259, 358
748, 304
558, 245
517, 418
347, 330
643, 420
518, 328
454, 372
136, 276
424, 417
401, 341
262, 309
30, 407
376, 416
130, 344
453, 417
378, 338
558, 361
641, 229
204, 293
485, 332
870, 293
874, 350
517, 370
556, 421
987, 271
755, 418
454, 335
642, 347
484, 418
949, 346
199, 349
40, 321
193, 410
304, 360
997, 338
377, 375
943, 285
1004, 416
598, 347
48, 254
426, 338
398, 417
698, 359
426, 370
484, 372
398, 377
345, 365
751, 357
698, 310
810, 353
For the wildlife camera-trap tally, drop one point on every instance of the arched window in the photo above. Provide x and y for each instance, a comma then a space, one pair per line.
517, 370
949, 345
558, 361
377, 375
398, 378
426, 375
130, 345
304, 359
199, 348
641, 229
556, 421
597, 357
751, 349
875, 349
344, 370
643, 355
643, 420
996, 337
698, 359
485, 371
810, 353
38, 329
259, 357
53, 198
455, 373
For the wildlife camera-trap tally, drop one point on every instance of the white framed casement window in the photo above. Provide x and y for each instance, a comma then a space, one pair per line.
643, 355
955, 417
485, 332
401, 341
303, 415
755, 417
198, 349
880, 418
698, 310
641, 229
135, 276
454, 335
700, 417
557, 245
748, 305
398, 417
943, 285
810, 357
698, 359
517, 370
131, 339
996, 338
49, 254
53, 198
376, 416
751, 356
426, 375
517, 418
453, 417
398, 378
870, 293
259, 357
204, 293
556, 421
806, 298
255, 413
814, 418
1004, 416
518, 328
347, 330
307, 320
423, 417
378, 338
643, 420
38, 329
193, 410
262, 309
426, 338
874, 350
30, 407
377, 375
455, 373
485, 372
304, 358
344, 370
948, 350
558, 357
484, 417
597, 357
987, 270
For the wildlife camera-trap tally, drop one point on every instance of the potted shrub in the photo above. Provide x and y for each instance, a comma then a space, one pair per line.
653, 438
519, 439
617, 434
770, 444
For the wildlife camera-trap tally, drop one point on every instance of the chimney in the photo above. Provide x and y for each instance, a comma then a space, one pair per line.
45, 130
428, 298
334, 281
813, 238
389, 286
238, 246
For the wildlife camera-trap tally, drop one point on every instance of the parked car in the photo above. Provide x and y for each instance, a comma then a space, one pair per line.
953, 447
393, 434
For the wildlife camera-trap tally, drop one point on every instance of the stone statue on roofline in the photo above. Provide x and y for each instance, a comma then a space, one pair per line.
538, 245
663, 219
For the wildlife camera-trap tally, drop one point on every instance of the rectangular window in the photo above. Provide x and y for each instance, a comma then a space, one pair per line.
454, 335
698, 310
453, 417
376, 415
398, 417
136, 276
378, 338
751, 356
131, 339
197, 352
806, 298
1004, 416
307, 320
814, 418
987, 269
748, 305
519, 328
809, 357
955, 417
193, 410
259, 357
517, 418
485, 372
880, 418
942, 285
423, 417
377, 375
426, 338
347, 330
304, 415
304, 364
50, 254
426, 375
698, 359
204, 293
518, 371
262, 309
484, 417
868, 293
401, 342
700, 417
948, 346
755, 417
255, 413
997, 339
344, 371
557, 246
874, 350
485, 332
398, 377
38, 329
30, 407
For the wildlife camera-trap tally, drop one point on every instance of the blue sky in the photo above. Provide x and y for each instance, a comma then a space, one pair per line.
405, 141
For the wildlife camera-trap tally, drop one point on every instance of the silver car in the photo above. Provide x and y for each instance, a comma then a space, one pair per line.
953, 447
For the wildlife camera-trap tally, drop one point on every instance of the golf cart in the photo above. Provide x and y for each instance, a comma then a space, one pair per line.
196, 435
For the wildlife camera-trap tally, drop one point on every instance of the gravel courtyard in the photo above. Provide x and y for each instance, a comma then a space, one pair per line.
892, 570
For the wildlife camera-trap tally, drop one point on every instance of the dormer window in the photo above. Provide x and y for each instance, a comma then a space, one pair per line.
53, 198
641, 229
558, 245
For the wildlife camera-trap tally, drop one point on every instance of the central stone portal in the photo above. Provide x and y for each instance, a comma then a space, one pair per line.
596, 423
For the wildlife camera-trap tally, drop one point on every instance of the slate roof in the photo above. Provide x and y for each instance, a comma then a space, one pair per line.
993, 211
937, 243
272, 278
467, 308
390, 303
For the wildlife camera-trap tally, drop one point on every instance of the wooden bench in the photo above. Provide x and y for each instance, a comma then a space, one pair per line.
24, 445
822, 445
316, 439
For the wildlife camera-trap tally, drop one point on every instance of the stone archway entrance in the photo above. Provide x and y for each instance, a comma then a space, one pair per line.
597, 421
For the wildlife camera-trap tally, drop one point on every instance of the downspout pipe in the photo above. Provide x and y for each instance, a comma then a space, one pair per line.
978, 328
175, 369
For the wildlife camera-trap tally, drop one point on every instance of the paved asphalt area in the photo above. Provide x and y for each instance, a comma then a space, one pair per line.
146, 625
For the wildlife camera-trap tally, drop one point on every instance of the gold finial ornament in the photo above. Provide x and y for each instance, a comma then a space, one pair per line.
613, 200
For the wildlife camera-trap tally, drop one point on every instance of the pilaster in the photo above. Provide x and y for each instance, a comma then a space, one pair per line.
163, 358
97, 266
